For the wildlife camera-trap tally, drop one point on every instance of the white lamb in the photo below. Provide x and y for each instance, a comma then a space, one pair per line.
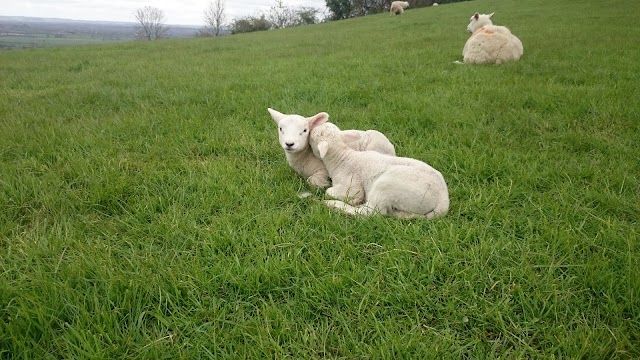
293, 134
374, 182
397, 7
490, 44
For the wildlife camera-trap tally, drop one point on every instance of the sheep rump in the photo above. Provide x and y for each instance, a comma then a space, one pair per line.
490, 44
397, 7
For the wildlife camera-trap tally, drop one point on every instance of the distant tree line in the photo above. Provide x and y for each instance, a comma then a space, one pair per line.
151, 20
345, 9
278, 16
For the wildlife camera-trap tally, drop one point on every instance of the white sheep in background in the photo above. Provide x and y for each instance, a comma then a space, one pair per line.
434, 4
397, 7
374, 182
293, 135
490, 44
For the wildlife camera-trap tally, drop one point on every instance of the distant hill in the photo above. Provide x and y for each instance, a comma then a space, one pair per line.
28, 32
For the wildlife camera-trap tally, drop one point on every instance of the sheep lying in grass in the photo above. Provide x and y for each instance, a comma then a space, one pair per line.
490, 44
293, 134
396, 186
397, 7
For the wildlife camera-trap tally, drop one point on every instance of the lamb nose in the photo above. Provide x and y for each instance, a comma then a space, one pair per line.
288, 144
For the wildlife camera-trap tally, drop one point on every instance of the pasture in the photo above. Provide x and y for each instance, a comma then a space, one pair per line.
147, 211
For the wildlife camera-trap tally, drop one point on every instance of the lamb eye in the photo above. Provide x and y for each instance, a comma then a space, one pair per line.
305, 130
280, 129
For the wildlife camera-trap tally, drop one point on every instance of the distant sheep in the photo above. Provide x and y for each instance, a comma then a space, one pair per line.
434, 4
490, 44
368, 182
397, 7
293, 134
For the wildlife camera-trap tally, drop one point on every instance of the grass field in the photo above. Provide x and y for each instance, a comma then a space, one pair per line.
147, 211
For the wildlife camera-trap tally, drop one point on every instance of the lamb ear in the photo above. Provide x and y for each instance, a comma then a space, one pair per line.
318, 119
490, 15
476, 16
275, 115
323, 147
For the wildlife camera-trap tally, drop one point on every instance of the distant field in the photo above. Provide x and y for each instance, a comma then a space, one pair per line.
11, 42
147, 211
25, 32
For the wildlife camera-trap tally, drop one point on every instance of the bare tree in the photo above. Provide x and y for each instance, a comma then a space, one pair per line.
152, 23
215, 17
281, 15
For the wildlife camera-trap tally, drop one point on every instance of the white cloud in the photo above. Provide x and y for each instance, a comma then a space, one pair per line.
178, 12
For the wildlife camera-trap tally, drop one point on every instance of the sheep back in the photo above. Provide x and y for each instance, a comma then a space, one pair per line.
492, 45
368, 140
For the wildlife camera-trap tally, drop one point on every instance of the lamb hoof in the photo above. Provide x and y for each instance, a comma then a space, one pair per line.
304, 194
333, 203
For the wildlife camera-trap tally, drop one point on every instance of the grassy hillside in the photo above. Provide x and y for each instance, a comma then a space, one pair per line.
147, 211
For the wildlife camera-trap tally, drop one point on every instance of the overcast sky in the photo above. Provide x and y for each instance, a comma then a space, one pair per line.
187, 12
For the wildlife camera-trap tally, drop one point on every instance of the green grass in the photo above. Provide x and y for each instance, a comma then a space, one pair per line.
147, 211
